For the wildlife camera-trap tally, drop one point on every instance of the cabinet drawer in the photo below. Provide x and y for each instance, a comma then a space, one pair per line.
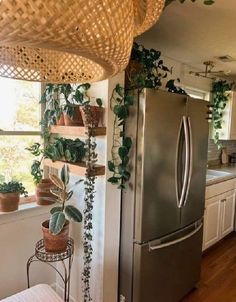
220, 188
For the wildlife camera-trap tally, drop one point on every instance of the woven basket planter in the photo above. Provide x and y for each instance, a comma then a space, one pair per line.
70, 41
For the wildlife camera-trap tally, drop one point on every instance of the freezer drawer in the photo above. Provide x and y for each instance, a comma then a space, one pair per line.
166, 271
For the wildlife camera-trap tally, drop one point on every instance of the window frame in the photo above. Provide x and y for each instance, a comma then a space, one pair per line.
31, 198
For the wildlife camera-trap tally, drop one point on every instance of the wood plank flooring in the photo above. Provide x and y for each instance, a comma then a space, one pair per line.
218, 278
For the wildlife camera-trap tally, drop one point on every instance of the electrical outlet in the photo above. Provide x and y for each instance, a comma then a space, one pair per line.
122, 298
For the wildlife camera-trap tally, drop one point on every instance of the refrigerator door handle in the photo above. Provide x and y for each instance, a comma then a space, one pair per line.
173, 242
190, 158
181, 197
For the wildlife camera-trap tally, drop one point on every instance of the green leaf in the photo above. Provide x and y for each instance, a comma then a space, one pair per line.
113, 180
99, 102
65, 174
73, 213
111, 166
127, 142
55, 209
56, 222
123, 151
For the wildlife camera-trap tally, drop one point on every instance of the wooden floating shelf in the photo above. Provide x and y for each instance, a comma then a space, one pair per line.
76, 130
75, 168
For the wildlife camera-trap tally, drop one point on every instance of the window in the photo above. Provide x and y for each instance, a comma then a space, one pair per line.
20, 115
198, 94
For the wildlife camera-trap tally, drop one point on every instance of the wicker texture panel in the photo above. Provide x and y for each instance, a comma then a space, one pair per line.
146, 13
70, 41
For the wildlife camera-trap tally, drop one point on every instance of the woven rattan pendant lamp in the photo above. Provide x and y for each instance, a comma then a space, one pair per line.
70, 41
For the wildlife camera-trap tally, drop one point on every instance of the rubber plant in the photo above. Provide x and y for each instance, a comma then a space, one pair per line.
62, 194
89, 188
220, 97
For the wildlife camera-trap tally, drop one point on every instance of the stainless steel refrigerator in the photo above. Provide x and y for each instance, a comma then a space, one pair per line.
162, 210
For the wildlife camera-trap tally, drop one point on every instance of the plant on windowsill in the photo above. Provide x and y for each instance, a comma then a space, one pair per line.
10, 195
43, 186
56, 229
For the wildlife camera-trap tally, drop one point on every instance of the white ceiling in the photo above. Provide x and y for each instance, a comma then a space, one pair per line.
192, 33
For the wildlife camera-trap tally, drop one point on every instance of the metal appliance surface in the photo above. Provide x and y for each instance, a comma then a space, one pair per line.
161, 224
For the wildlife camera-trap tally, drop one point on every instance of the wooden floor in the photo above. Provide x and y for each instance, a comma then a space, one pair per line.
218, 280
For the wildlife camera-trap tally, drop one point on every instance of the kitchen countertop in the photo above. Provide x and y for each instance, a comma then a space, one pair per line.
230, 169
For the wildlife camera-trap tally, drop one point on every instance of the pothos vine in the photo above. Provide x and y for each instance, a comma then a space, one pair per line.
121, 144
145, 70
89, 187
220, 94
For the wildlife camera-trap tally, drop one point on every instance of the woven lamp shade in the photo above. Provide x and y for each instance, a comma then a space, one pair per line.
70, 41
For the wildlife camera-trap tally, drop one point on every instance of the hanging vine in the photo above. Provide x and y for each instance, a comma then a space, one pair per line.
145, 70
220, 94
89, 188
121, 144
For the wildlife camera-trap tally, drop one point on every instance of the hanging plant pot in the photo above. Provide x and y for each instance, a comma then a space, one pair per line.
61, 120
132, 72
75, 120
42, 192
9, 202
92, 115
55, 243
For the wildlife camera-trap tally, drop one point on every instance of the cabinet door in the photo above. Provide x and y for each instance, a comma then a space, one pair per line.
212, 218
228, 210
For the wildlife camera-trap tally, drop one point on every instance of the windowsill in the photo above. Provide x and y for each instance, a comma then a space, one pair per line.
25, 211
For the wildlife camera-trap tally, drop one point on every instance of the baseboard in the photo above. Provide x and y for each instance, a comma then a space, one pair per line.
60, 291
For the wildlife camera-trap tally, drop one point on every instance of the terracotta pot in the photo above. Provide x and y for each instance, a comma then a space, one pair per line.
42, 191
9, 202
76, 120
61, 121
55, 243
92, 118
131, 72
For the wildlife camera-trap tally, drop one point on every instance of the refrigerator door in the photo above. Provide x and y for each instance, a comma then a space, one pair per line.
166, 270
160, 165
193, 206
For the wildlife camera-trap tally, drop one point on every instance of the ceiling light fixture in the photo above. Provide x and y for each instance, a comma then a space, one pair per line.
70, 41
209, 73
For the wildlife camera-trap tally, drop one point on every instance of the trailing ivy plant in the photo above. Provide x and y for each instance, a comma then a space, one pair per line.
146, 68
89, 188
206, 2
220, 95
121, 144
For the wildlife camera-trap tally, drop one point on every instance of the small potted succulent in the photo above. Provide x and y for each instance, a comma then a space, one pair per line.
10, 195
56, 229
42, 185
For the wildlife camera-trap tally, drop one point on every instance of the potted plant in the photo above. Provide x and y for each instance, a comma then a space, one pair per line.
10, 195
71, 109
91, 115
56, 229
42, 185
65, 149
53, 114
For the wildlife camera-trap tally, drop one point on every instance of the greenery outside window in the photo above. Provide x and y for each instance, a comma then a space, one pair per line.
20, 115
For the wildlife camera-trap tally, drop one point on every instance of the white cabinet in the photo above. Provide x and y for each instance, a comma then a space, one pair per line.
228, 210
228, 131
211, 233
218, 218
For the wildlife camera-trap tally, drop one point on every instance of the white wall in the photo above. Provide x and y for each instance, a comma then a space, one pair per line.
19, 232
106, 217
